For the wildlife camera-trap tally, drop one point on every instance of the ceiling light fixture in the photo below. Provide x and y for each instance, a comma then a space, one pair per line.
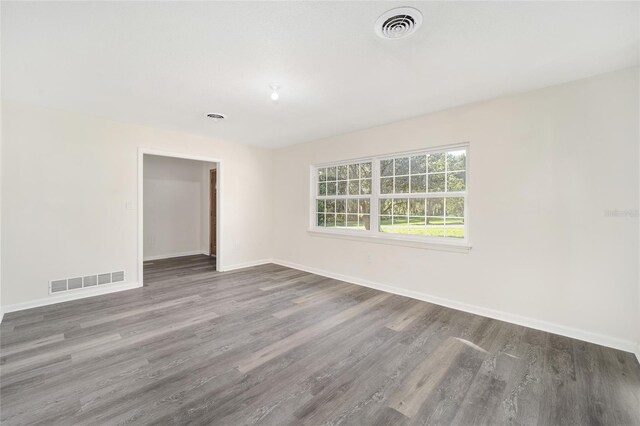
275, 95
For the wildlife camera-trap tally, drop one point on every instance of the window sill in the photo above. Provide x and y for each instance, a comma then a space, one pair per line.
450, 246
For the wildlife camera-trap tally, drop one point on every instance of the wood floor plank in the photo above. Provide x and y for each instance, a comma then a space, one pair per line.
425, 377
132, 312
272, 345
406, 317
268, 353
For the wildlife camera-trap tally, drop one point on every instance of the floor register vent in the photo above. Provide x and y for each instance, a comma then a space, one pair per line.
77, 283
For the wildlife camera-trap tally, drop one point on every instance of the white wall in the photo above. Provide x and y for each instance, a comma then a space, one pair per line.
69, 189
1, 134
176, 206
544, 168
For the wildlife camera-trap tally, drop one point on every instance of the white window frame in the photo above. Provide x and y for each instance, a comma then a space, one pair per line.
374, 234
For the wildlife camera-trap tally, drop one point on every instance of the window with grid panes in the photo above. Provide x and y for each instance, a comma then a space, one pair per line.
423, 194
417, 196
343, 196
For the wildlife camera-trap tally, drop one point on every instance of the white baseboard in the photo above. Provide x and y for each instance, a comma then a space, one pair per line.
169, 256
249, 264
70, 295
587, 336
638, 352
1, 316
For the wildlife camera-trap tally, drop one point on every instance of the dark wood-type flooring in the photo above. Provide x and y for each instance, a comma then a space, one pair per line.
275, 346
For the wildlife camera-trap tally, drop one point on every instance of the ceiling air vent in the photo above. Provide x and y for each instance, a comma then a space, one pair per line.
398, 23
216, 117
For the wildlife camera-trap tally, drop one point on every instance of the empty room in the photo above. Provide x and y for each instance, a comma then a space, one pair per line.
320, 213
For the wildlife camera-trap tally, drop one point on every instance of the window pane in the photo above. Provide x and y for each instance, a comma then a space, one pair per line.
386, 206
456, 160
322, 189
435, 227
320, 220
365, 186
342, 172
340, 206
456, 181
400, 206
454, 221
402, 184
455, 230
402, 166
322, 174
341, 219
354, 171
419, 183
402, 225
365, 205
342, 187
418, 164
435, 206
400, 220
330, 206
455, 206
435, 163
386, 185
352, 220
352, 206
387, 226
354, 187
364, 221
320, 206
331, 173
365, 170
385, 222
330, 220
435, 231
331, 188
405, 225
416, 207
416, 221
386, 168
436, 182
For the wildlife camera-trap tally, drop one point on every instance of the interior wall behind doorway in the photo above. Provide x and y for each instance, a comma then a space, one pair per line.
176, 207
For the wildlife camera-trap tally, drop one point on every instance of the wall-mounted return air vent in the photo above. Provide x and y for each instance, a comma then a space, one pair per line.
398, 23
78, 283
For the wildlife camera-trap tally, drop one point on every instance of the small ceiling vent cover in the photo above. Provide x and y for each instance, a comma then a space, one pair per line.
398, 23
216, 117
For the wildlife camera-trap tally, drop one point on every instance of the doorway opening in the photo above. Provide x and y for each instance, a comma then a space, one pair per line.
179, 202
